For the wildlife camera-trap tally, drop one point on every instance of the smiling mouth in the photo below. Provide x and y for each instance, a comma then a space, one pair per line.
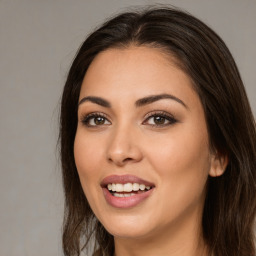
124, 191
127, 189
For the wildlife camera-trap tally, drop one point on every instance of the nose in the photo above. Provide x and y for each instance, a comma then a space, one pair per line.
124, 147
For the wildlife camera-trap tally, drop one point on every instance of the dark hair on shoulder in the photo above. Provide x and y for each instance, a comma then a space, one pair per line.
230, 205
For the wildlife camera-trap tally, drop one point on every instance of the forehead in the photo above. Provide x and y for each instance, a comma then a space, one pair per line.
135, 72
131, 62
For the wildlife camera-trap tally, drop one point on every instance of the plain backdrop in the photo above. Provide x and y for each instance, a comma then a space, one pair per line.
38, 40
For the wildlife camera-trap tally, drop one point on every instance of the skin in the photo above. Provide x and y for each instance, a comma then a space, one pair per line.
175, 156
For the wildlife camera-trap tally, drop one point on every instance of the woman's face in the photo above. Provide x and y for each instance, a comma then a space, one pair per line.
141, 146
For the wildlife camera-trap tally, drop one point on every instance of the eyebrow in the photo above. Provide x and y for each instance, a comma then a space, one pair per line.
97, 100
152, 98
139, 103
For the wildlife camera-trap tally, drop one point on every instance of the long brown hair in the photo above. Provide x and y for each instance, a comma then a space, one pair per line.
230, 204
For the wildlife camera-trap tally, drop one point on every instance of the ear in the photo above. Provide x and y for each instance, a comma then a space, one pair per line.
218, 164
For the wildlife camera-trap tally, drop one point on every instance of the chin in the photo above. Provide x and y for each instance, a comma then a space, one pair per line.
128, 227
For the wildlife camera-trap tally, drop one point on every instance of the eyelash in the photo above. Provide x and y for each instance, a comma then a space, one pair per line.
86, 119
162, 114
171, 120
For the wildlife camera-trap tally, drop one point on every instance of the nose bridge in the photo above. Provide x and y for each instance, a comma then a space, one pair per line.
123, 144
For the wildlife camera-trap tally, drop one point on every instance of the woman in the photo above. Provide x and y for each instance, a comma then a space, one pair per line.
157, 141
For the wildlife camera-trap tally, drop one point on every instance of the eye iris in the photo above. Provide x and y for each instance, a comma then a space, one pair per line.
159, 120
99, 120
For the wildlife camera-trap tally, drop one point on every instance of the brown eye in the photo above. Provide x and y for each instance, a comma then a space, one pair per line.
94, 120
99, 120
161, 119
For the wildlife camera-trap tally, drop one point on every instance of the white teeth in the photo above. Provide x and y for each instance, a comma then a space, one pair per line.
123, 195
127, 187
135, 187
119, 188
130, 194
142, 187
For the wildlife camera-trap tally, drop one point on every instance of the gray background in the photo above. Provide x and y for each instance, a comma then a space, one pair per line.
38, 40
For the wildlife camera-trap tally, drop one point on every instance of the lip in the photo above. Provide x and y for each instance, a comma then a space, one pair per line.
122, 179
125, 202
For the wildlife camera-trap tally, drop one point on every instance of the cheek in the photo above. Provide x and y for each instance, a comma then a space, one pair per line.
182, 163
86, 153
87, 158
179, 152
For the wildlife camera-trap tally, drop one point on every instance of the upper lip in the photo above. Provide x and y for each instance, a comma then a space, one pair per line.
122, 179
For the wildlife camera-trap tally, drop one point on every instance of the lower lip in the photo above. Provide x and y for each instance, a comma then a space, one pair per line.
126, 202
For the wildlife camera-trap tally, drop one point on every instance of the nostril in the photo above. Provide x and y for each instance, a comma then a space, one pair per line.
127, 159
120, 161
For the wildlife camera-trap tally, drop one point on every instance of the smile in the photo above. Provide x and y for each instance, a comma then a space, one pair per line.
125, 191
127, 187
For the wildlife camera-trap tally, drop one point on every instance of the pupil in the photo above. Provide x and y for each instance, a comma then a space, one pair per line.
159, 120
99, 120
